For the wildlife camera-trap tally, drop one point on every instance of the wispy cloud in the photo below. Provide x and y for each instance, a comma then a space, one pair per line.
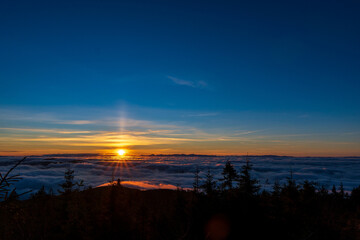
245, 132
77, 122
110, 133
210, 114
26, 132
60, 131
193, 84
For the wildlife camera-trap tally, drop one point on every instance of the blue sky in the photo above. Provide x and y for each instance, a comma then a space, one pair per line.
270, 69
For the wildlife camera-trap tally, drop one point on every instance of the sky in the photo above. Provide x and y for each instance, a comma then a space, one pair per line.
205, 77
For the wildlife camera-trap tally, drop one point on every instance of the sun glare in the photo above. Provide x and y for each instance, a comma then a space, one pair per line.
121, 152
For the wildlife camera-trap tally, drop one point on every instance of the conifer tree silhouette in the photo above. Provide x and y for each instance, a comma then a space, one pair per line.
276, 189
210, 185
196, 184
333, 190
323, 191
246, 183
291, 189
355, 194
69, 185
308, 189
41, 193
229, 176
341, 190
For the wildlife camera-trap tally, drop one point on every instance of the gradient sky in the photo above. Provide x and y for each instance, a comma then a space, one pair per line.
209, 77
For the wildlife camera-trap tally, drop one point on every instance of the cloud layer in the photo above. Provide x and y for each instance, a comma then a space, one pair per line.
148, 172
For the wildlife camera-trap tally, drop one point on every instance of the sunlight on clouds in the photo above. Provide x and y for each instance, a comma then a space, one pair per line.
158, 141
106, 135
142, 185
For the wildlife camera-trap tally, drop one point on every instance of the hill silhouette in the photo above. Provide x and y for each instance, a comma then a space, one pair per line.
233, 207
116, 212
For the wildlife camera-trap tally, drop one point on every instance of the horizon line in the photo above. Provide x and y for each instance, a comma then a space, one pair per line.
176, 154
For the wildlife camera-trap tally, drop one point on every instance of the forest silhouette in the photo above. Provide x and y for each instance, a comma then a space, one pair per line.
232, 207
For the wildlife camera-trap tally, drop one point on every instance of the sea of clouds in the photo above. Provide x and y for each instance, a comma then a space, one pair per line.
148, 172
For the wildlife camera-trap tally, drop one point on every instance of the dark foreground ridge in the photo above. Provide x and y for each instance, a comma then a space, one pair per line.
232, 207
116, 212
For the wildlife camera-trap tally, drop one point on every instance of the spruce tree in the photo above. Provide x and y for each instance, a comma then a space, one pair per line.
210, 185
246, 183
41, 193
308, 189
341, 190
276, 189
323, 191
333, 190
229, 176
196, 184
291, 189
355, 194
13, 195
69, 184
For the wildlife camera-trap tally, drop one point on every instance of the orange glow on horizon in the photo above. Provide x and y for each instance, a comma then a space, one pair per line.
168, 139
143, 185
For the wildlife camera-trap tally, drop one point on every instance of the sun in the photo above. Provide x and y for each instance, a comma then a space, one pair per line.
121, 152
